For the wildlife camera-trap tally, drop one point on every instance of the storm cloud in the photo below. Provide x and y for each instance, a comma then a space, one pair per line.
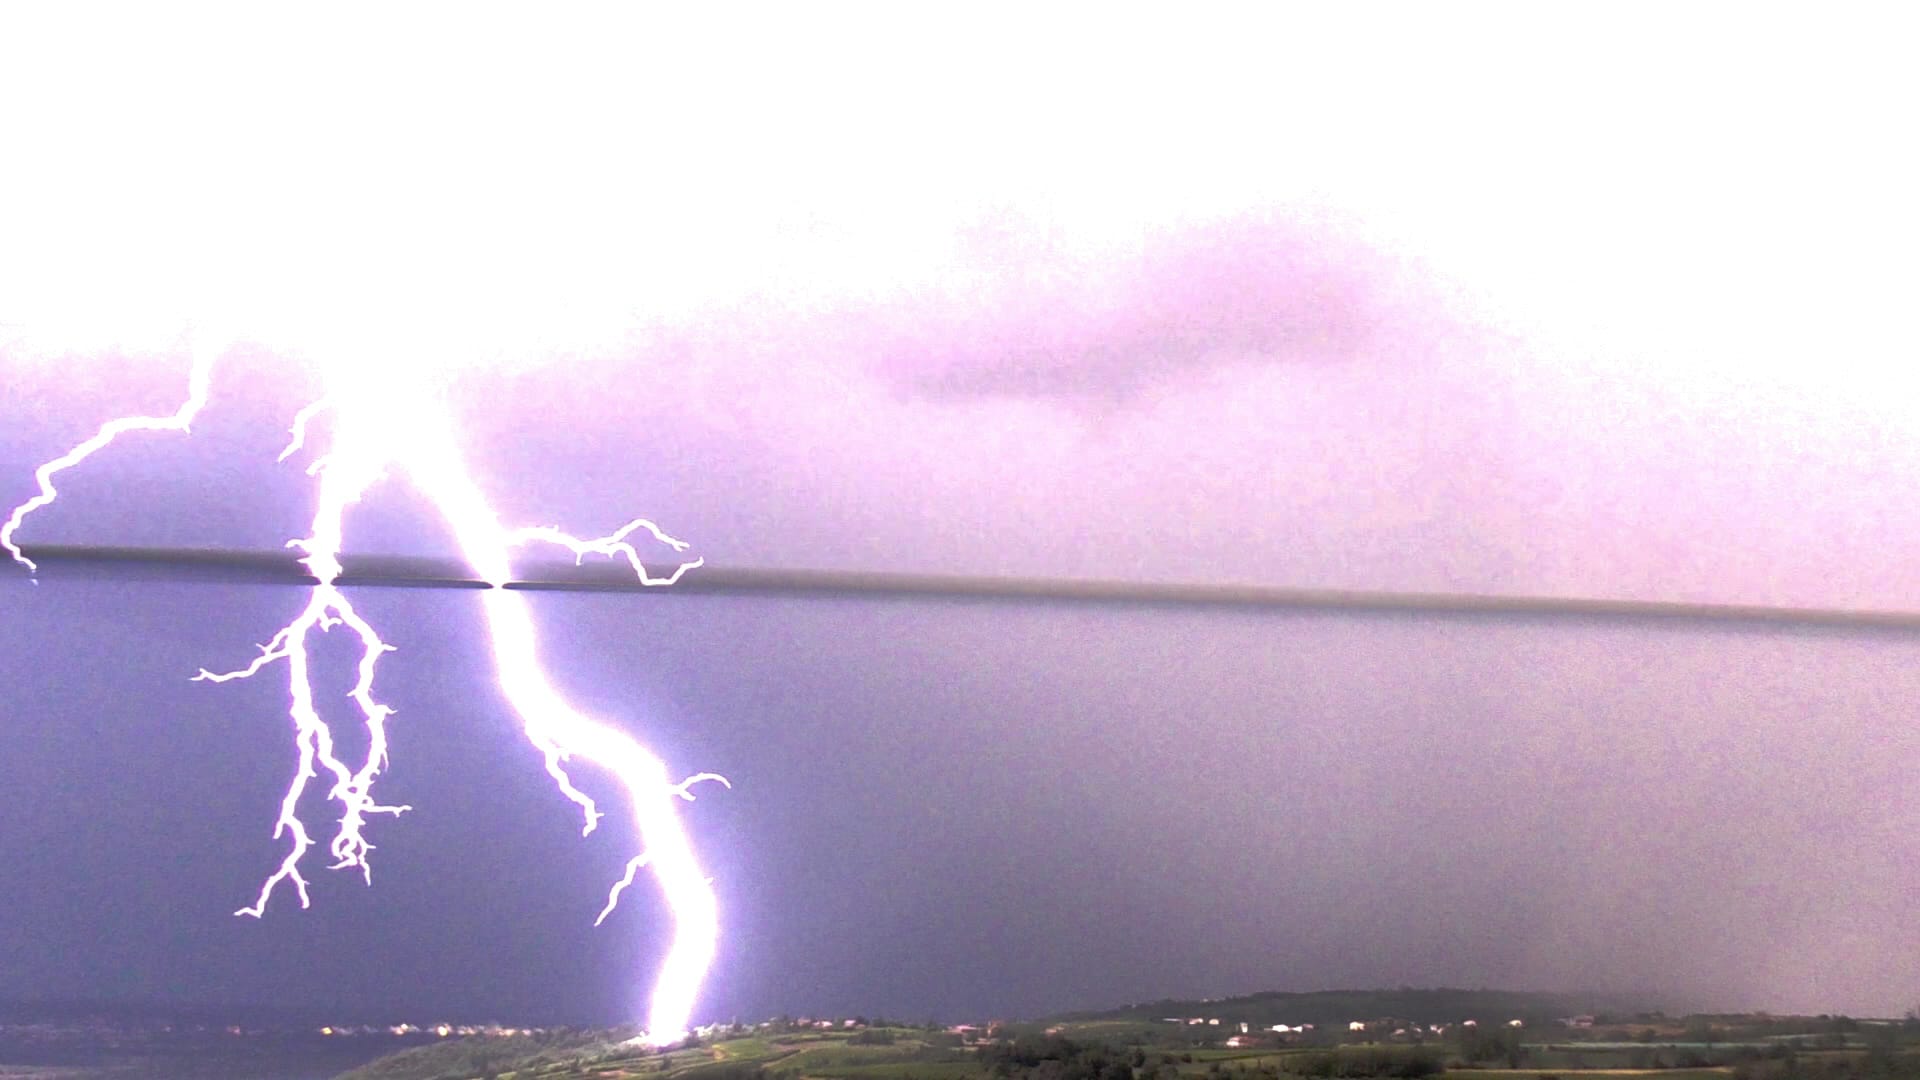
1577, 334
1183, 304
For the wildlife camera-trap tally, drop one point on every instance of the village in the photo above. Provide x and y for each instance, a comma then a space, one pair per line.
1249, 1036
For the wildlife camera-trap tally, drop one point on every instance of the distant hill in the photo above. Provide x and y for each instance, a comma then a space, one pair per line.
1327, 1007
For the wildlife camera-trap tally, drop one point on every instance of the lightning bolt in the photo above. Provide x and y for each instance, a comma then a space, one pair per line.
381, 424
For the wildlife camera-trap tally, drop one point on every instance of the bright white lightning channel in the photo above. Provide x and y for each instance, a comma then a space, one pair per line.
378, 426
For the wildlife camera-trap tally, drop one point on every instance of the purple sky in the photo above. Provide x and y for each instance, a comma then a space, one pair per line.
1617, 311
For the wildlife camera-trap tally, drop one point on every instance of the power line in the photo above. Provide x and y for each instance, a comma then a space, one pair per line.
391, 571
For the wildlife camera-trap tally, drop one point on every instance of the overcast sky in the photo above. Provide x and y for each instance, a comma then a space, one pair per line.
1607, 305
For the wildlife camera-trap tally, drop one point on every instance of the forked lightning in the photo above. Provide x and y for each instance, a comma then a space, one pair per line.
382, 422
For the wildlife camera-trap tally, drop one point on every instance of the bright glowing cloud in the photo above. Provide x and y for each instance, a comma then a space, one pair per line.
399, 196
510, 188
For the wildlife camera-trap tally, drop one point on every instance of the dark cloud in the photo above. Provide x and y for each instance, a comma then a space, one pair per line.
1247, 291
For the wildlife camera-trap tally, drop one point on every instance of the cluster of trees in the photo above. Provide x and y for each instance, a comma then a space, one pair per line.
1393, 1062
1491, 1043
1361, 1063
1055, 1058
873, 1036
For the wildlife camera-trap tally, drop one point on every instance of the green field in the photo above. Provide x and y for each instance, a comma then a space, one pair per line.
1155, 1042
